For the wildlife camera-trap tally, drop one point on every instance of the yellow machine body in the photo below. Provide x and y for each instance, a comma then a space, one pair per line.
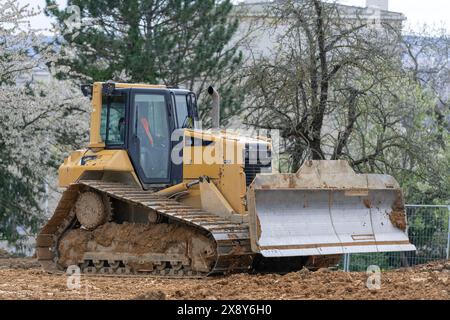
324, 209
227, 173
222, 161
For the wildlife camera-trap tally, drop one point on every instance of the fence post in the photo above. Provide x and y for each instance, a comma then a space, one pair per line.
448, 234
347, 262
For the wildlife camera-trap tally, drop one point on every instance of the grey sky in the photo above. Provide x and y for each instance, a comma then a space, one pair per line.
432, 12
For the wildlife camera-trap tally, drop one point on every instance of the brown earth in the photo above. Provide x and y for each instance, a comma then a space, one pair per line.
430, 281
8, 260
398, 219
138, 239
4, 254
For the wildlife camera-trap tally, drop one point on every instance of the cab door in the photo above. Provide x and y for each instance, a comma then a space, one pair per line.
151, 126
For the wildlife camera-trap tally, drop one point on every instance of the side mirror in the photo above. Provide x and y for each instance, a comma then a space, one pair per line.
108, 88
86, 89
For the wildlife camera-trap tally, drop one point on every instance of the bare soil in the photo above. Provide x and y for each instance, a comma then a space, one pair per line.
4, 254
23, 279
138, 239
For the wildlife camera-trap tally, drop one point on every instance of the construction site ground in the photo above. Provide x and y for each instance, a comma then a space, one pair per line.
23, 279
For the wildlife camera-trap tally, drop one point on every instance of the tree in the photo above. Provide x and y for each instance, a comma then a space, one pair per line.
313, 75
427, 59
173, 42
336, 88
38, 123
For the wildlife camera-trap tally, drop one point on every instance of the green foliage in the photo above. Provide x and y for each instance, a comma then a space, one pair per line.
340, 89
173, 42
20, 212
428, 231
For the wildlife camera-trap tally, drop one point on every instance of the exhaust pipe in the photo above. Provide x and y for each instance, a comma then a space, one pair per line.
215, 112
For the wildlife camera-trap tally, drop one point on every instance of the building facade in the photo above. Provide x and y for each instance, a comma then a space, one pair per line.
252, 14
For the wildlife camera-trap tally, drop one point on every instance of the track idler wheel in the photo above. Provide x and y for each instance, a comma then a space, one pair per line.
92, 210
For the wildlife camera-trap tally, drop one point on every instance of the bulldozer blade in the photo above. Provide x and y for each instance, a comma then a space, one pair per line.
326, 209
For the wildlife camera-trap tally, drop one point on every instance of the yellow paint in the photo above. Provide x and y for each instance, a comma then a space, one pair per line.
227, 170
106, 160
96, 113
193, 198
233, 187
214, 201
139, 86
193, 164
226, 150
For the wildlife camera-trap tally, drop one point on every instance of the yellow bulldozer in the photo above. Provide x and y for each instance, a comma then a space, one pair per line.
153, 194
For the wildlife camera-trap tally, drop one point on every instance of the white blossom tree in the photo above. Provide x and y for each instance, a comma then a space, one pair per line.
39, 122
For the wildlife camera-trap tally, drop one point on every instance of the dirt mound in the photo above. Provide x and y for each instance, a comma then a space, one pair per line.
152, 295
439, 266
138, 239
10, 261
5, 254
14, 263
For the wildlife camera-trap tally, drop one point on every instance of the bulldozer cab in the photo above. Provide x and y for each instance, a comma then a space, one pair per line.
141, 121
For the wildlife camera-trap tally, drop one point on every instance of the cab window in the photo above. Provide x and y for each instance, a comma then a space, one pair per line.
183, 118
153, 134
112, 128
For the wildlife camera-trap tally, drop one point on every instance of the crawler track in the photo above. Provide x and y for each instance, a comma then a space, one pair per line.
233, 251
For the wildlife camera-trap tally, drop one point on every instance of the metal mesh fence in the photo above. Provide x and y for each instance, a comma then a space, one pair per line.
429, 231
